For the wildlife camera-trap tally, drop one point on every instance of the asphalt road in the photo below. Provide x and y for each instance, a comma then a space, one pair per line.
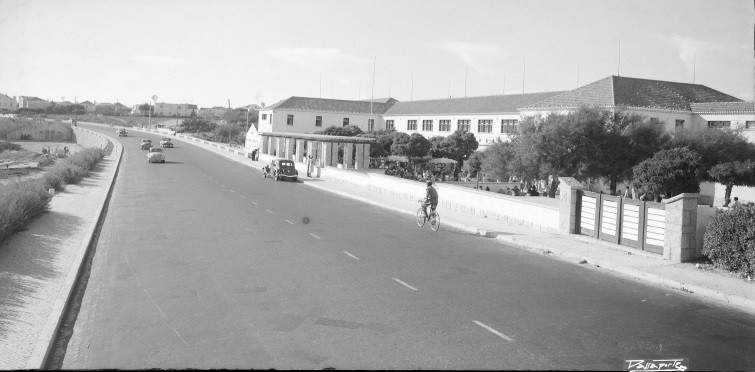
203, 263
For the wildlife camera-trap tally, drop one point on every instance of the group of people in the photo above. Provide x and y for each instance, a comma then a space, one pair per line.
631, 192
421, 172
46, 151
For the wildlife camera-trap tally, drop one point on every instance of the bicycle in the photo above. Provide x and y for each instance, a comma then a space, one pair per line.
433, 217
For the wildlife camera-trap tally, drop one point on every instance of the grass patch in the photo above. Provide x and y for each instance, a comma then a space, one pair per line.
20, 201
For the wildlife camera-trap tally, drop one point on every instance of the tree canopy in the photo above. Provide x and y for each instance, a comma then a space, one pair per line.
736, 173
196, 124
414, 145
715, 146
670, 172
347, 131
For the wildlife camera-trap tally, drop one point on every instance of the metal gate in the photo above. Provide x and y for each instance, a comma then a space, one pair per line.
628, 222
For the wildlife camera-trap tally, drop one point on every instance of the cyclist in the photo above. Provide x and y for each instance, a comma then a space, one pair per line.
431, 198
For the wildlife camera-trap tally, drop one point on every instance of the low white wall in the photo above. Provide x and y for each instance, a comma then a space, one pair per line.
499, 207
86, 138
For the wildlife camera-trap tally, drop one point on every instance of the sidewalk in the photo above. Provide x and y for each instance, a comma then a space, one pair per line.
39, 266
715, 287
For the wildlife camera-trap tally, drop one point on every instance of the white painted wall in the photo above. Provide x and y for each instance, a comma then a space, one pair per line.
484, 139
304, 121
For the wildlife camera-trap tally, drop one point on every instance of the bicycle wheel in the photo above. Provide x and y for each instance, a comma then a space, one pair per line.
420, 217
434, 221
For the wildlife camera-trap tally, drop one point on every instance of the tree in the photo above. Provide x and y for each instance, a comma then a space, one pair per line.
415, 145
195, 125
382, 146
715, 146
736, 173
670, 172
347, 131
144, 108
496, 160
475, 161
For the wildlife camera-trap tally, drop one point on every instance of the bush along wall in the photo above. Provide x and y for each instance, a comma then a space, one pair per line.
20, 202
729, 240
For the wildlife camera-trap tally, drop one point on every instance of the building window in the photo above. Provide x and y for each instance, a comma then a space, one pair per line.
509, 126
345, 121
719, 124
484, 126
444, 125
750, 125
370, 124
427, 125
411, 125
289, 119
463, 125
389, 125
264, 116
318, 121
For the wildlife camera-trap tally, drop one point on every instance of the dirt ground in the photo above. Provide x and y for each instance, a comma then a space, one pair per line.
37, 147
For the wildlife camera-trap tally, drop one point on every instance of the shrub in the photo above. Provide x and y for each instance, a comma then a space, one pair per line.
19, 203
5, 146
730, 240
53, 180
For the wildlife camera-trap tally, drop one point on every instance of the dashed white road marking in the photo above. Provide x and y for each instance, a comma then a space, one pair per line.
243, 196
222, 185
268, 211
404, 284
315, 236
289, 222
499, 334
351, 255
255, 203
233, 191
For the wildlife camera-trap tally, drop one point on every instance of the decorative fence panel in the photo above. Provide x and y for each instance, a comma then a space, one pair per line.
628, 222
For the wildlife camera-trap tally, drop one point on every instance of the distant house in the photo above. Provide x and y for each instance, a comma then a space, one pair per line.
8, 103
89, 107
175, 109
32, 103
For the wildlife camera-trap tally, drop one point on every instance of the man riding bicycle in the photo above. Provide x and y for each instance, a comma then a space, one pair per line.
431, 198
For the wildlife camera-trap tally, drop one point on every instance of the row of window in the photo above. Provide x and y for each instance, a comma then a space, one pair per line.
318, 121
483, 125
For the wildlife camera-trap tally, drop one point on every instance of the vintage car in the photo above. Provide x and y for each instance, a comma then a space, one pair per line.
281, 169
155, 155
165, 142
121, 133
146, 144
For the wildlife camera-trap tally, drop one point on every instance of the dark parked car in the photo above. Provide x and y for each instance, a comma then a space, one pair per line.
281, 169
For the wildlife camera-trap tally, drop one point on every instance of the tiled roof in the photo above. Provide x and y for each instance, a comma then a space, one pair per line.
714, 107
469, 105
633, 92
30, 98
86, 103
331, 105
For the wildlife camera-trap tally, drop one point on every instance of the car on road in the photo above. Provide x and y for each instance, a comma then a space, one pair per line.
165, 142
281, 169
155, 155
146, 144
121, 133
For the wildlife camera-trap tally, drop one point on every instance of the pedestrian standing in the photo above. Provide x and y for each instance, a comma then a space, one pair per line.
736, 204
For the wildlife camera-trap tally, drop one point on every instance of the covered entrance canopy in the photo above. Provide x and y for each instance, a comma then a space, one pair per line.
319, 149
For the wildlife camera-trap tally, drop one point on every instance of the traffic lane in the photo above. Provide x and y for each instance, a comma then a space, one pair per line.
597, 318
350, 222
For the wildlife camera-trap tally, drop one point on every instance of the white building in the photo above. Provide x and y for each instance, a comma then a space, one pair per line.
175, 109
8, 103
490, 117
308, 115
32, 103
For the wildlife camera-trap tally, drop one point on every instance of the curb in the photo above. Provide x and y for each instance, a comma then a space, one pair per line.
43, 345
739, 302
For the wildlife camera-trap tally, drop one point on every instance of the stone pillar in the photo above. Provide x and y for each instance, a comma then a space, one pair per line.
279, 147
312, 150
359, 162
334, 155
348, 156
326, 153
567, 206
270, 145
681, 225
289, 144
300, 150
265, 144
366, 158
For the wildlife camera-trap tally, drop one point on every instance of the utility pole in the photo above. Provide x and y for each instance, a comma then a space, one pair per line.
524, 71
320, 88
618, 72
577, 76
466, 72
411, 97
372, 94
694, 68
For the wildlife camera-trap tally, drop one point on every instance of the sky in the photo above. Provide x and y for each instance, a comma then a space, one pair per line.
209, 52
